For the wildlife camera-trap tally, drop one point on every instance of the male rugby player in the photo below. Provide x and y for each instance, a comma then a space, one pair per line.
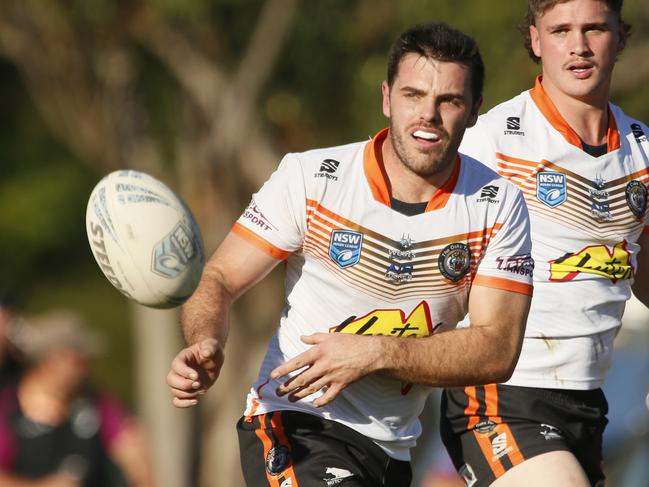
582, 165
388, 243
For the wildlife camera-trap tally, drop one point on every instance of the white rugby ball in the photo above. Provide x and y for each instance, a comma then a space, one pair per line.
144, 239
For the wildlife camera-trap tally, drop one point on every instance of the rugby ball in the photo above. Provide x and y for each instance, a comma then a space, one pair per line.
144, 239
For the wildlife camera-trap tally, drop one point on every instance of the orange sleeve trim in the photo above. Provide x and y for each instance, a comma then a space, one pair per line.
504, 284
259, 242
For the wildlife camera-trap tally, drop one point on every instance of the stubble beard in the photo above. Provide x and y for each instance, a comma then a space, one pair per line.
423, 164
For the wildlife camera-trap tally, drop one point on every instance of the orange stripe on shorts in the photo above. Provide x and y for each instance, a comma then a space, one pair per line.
268, 443
472, 407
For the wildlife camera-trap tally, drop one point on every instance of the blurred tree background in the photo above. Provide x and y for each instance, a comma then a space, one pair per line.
207, 96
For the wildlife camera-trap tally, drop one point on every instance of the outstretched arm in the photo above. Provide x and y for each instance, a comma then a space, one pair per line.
485, 352
641, 283
234, 267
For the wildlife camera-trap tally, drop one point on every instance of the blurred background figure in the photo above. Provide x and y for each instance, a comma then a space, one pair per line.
10, 357
55, 429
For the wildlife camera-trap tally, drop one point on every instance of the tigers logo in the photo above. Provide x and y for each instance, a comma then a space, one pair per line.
636, 198
614, 264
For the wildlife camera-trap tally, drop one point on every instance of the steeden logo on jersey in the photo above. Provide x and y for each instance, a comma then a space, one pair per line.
327, 170
638, 133
488, 194
513, 126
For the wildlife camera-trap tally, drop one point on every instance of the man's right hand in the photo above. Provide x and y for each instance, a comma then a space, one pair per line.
193, 371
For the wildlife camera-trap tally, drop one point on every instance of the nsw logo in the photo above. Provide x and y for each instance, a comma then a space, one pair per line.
551, 188
345, 247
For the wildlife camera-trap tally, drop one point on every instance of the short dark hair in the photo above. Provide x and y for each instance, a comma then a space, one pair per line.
535, 8
439, 41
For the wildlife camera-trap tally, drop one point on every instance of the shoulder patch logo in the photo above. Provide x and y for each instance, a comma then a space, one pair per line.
638, 133
514, 126
488, 194
345, 247
636, 198
551, 188
327, 169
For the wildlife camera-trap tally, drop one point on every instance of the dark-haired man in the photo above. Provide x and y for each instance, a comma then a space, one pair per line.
582, 165
383, 240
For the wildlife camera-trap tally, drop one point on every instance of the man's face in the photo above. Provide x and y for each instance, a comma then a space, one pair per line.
578, 42
429, 106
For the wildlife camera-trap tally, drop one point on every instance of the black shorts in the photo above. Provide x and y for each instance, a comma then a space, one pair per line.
294, 449
489, 429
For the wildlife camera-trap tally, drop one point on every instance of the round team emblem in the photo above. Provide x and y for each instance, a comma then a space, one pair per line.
636, 198
454, 261
277, 460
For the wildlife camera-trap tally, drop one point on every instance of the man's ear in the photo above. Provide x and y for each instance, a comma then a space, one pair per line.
385, 90
535, 41
475, 111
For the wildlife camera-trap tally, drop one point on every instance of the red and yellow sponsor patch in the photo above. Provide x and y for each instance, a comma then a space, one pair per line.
597, 259
390, 322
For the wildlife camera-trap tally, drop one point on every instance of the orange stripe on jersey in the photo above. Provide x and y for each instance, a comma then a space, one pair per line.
472, 406
267, 442
550, 112
495, 464
259, 242
504, 284
278, 429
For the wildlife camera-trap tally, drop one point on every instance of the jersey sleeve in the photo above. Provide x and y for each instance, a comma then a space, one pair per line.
478, 145
275, 219
507, 262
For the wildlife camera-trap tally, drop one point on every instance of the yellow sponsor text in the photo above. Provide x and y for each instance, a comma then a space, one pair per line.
597, 259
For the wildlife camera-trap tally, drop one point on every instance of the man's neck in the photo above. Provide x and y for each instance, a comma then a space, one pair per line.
587, 117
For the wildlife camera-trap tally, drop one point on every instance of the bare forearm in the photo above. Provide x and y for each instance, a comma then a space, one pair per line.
205, 314
475, 355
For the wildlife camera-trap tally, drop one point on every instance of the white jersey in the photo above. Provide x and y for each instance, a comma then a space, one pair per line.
354, 265
587, 214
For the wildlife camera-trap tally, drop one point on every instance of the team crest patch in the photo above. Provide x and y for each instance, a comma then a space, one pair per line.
345, 247
278, 460
551, 188
636, 198
454, 261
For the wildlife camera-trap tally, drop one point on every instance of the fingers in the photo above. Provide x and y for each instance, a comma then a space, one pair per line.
296, 363
330, 394
193, 371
